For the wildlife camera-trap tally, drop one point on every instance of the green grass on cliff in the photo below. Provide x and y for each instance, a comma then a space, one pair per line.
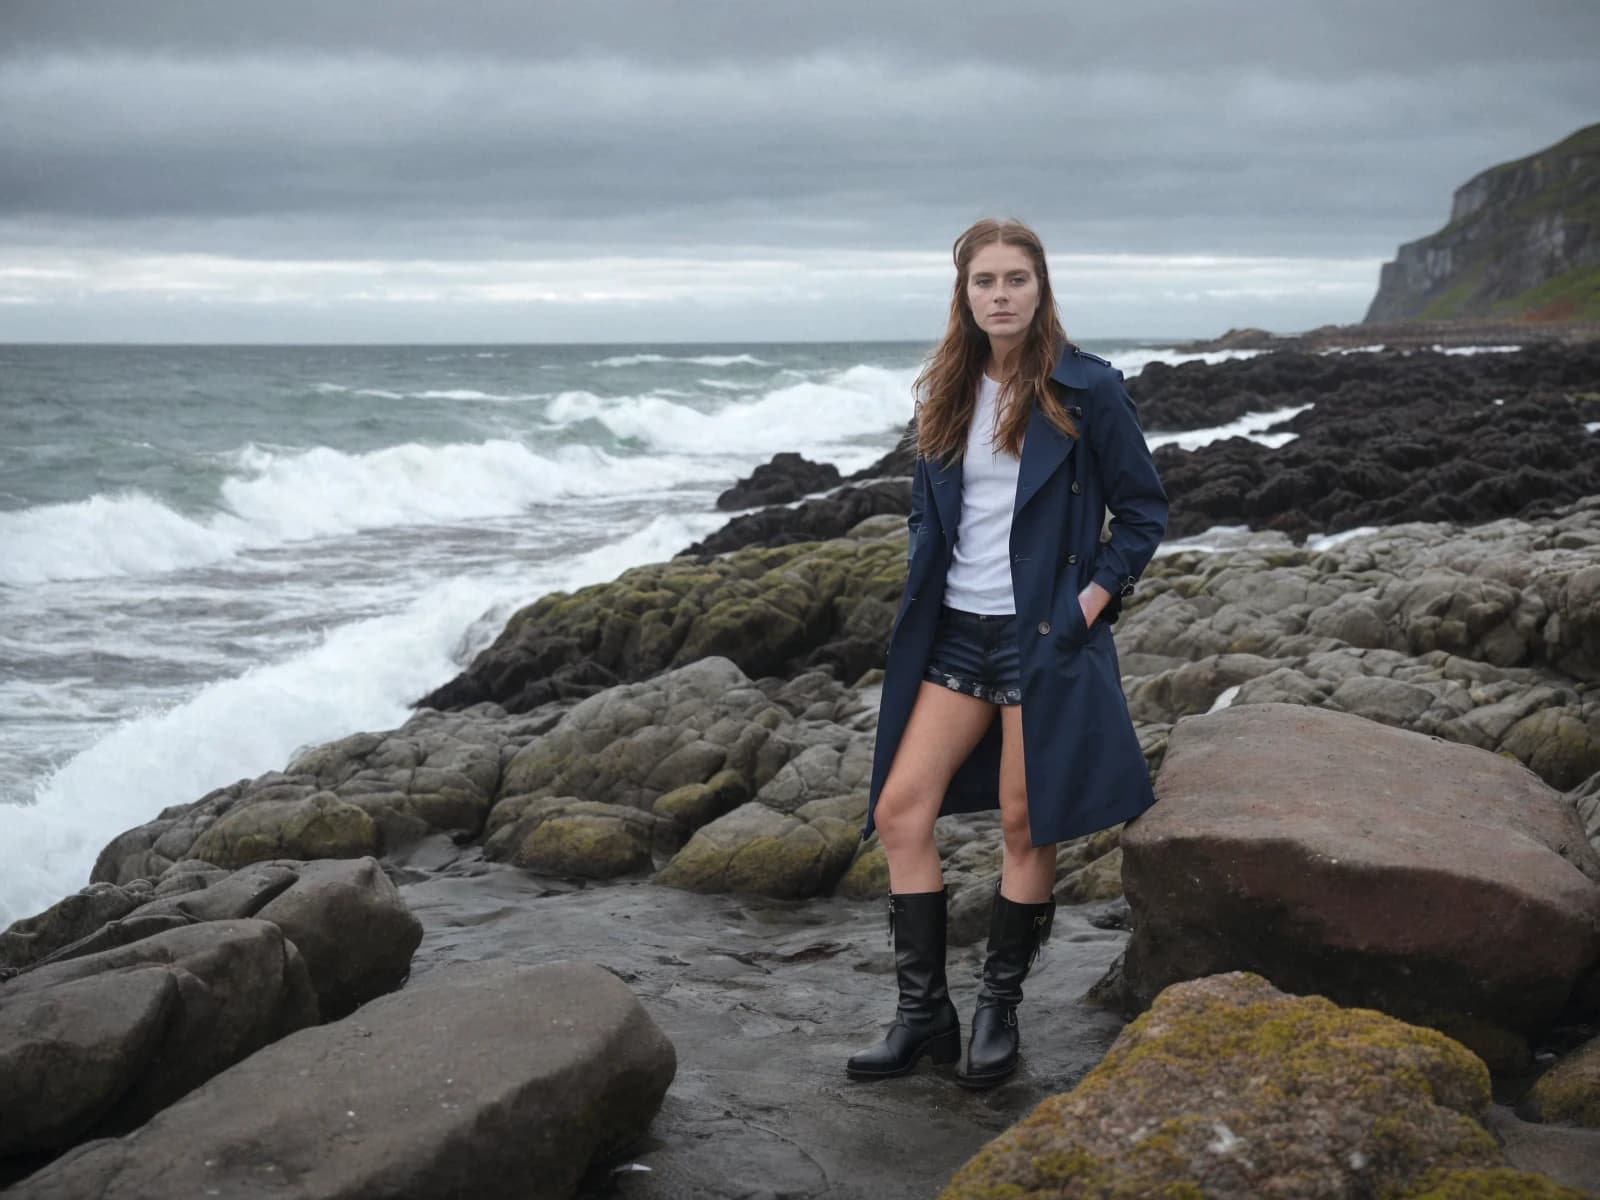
1497, 231
1571, 296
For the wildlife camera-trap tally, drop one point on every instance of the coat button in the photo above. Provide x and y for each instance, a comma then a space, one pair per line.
1072, 558
1044, 627
1076, 487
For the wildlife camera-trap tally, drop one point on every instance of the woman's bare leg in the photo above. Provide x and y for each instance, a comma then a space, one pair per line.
1027, 872
943, 729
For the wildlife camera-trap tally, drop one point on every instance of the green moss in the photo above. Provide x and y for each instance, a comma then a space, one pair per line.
593, 847
319, 826
868, 876
1487, 1183
1454, 300
1570, 1090
1570, 296
1304, 1085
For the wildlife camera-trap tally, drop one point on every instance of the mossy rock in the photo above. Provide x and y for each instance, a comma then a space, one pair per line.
697, 804
1490, 1183
596, 847
868, 876
565, 835
1228, 1087
319, 826
758, 849
1569, 1092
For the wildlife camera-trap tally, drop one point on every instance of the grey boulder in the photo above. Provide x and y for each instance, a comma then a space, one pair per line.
488, 1081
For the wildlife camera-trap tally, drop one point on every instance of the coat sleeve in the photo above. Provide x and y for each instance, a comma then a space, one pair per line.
1133, 490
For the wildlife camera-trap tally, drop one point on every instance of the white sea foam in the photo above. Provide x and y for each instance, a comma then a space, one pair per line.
703, 360
1592, 427
474, 394
361, 676
1248, 426
1225, 537
1477, 349
277, 498
1132, 361
1327, 541
860, 401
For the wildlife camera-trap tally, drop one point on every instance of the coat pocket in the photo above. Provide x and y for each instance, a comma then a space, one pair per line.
1074, 628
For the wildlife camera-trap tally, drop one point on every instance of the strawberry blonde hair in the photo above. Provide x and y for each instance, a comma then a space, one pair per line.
947, 386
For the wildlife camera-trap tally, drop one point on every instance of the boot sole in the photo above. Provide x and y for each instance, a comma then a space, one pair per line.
979, 1083
943, 1049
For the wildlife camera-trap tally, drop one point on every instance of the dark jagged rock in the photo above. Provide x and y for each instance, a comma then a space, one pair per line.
788, 476
1404, 335
1426, 437
811, 521
1388, 437
898, 461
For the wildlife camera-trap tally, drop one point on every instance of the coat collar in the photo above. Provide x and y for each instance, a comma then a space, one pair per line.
1044, 448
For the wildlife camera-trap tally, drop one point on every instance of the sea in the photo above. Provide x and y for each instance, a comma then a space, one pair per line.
213, 556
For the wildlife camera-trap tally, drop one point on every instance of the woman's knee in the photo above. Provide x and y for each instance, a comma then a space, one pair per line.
1015, 828
903, 815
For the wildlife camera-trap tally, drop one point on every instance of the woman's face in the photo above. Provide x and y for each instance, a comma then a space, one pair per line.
1002, 290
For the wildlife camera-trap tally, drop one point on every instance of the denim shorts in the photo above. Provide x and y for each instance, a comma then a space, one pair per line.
976, 653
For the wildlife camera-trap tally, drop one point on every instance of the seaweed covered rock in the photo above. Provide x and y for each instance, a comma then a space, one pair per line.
1229, 1088
771, 611
1339, 856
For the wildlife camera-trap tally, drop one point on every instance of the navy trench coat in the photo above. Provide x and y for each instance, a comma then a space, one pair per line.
1083, 765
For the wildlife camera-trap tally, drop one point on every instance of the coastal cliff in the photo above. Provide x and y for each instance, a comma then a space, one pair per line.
1523, 242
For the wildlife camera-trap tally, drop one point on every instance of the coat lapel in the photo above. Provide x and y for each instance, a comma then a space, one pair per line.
946, 488
1044, 448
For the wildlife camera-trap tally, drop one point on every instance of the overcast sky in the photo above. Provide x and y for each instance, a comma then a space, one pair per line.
318, 170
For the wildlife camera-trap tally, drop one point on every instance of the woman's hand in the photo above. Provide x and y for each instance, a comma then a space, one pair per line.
1093, 600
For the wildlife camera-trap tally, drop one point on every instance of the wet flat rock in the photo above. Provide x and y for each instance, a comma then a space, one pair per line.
764, 1000
484, 1081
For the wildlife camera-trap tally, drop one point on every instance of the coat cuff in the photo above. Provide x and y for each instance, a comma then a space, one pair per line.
1117, 585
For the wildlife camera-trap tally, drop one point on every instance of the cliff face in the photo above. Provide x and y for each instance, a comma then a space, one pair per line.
1523, 242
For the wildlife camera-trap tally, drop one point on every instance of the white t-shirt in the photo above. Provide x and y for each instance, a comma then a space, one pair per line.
979, 579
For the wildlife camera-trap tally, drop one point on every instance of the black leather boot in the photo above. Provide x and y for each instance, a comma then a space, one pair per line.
926, 1022
1016, 931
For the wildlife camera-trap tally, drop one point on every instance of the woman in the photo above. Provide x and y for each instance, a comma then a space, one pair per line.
1023, 442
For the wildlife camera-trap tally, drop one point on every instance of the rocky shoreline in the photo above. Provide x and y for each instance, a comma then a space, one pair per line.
1378, 767
1461, 332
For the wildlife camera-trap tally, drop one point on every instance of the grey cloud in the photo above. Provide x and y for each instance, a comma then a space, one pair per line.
1303, 37
410, 129
847, 147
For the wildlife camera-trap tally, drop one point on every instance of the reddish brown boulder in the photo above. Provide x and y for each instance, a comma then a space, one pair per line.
1440, 883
